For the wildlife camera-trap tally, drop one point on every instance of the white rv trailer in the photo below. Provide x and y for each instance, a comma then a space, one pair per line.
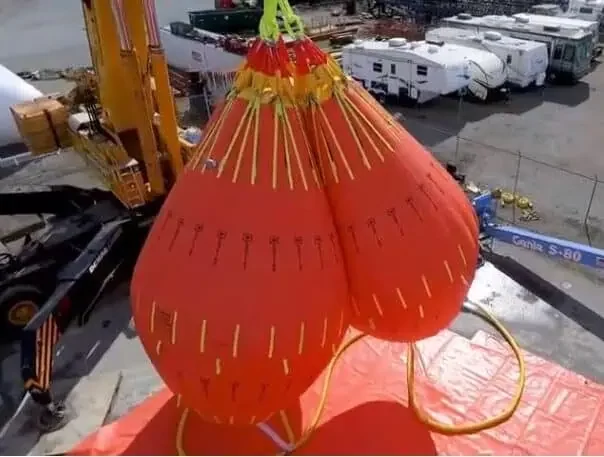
407, 70
569, 49
562, 22
588, 10
422, 71
547, 9
526, 61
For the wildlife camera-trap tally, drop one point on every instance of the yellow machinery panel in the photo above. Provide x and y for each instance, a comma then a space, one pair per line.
119, 172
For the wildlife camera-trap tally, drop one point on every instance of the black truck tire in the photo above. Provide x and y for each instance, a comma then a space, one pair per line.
18, 304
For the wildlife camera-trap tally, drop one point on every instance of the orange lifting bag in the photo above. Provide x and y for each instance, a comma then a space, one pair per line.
408, 231
240, 295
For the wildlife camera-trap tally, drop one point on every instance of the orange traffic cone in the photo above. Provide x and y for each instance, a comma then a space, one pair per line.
408, 232
240, 296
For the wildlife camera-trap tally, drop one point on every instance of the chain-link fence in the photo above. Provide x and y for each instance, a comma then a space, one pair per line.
536, 195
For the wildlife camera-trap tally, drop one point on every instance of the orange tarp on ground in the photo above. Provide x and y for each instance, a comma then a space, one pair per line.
561, 412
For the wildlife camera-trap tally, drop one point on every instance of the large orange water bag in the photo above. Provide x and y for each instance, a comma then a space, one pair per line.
240, 295
408, 232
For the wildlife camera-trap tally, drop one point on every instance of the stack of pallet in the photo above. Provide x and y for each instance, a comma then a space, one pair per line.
43, 124
185, 83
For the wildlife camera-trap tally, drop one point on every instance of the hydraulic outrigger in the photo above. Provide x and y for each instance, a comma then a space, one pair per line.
90, 244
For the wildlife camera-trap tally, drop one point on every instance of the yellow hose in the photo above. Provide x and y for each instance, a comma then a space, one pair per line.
431, 424
323, 399
467, 429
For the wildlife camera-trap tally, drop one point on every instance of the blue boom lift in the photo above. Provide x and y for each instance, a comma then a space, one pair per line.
581, 254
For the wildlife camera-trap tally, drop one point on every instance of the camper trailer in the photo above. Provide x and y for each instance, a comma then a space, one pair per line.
526, 61
564, 22
421, 71
405, 70
588, 10
547, 9
569, 49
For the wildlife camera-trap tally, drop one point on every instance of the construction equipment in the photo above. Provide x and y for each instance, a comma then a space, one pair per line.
485, 206
126, 130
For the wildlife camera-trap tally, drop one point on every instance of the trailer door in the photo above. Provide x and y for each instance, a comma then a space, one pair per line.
393, 79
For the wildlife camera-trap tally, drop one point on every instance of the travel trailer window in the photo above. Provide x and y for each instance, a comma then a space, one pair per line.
508, 60
377, 67
393, 68
569, 52
584, 10
557, 52
422, 70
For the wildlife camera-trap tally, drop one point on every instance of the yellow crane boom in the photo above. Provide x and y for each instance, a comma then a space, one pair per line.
130, 133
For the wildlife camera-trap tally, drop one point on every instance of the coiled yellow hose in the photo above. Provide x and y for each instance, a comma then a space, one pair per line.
467, 429
431, 424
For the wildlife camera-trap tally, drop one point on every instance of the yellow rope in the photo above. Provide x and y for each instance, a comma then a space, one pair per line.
432, 424
466, 429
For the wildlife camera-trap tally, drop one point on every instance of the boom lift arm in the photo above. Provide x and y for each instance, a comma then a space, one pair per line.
553, 247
